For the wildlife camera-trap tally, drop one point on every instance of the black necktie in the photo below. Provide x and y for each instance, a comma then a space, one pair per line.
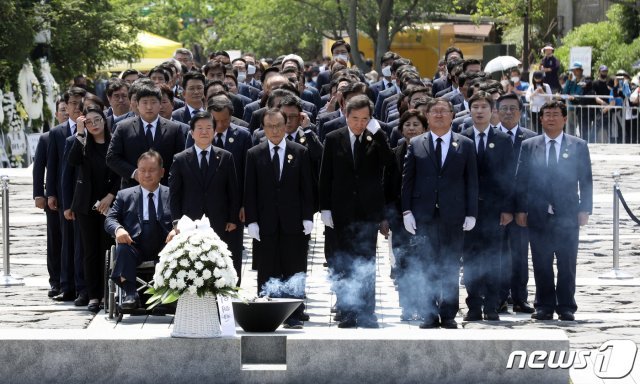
356, 151
204, 163
149, 136
389, 85
481, 146
289, 137
276, 162
439, 153
511, 136
552, 161
219, 142
152, 209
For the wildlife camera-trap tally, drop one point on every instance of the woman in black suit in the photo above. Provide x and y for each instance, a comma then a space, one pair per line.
412, 123
95, 190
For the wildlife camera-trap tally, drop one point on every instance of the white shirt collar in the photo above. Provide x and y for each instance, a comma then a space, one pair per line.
146, 192
281, 145
199, 151
446, 138
557, 139
154, 123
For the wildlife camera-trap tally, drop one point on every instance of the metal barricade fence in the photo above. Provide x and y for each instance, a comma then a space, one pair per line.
594, 123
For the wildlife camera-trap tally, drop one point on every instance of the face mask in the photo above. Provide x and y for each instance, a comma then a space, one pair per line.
314, 79
343, 57
515, 79
242, 76
251, 69
603, 77
386, 71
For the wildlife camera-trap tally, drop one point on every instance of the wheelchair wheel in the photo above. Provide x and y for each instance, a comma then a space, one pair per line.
107, 269
111, 296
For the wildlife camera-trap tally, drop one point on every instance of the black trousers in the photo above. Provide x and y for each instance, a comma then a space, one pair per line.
54, 244
558, 237
234, 240
144, 248
67, 274
481, 260
438, 249
514, 264
354, 267
95, 242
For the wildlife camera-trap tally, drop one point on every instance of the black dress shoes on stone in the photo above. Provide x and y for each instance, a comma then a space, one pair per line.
82, 300
430, 323
94, 307
65, 296
542, 315
449, 324
292, 323
503, 307
303, 316
131, 302
53, 292
523, 307
491, 316
368, 321
473, 315
566, 316
348, 321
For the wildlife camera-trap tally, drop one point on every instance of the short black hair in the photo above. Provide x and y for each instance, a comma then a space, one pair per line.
219, 103
193, 75
200, 115
469, 62
359, 102
130, 71
214, 64
291, 101
151, 154
146, 90
452, 49
340, 42
553, 104
162, 71
115, 84
273, 112
509, 96
481, 95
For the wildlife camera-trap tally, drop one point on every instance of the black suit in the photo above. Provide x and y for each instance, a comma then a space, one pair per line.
568, 190
351, 188
215, 194
514, 263
54, 187
54, 237
439, 200
93, 182
279, 208
129, 142
439, 84
127, 212
182, 115
483, 244
377, 113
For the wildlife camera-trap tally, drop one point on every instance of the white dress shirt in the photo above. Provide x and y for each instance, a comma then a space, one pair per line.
281, 147
145, 204
446, 139
558, 144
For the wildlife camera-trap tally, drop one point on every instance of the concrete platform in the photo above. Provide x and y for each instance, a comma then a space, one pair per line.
317, 355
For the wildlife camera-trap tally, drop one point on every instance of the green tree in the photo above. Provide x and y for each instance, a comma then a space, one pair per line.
17, 32
86, 35
606, 39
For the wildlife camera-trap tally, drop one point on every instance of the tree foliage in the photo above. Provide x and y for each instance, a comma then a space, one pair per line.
606, 39
17, 31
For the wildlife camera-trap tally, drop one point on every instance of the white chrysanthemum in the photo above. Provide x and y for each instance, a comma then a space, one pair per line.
181, 274
206, 274
199, 282
192, 274
220, 283
193, 290
173, 264
167, 274
173, 283
158, 282
198, 265
181, 284
184, 262
217, 272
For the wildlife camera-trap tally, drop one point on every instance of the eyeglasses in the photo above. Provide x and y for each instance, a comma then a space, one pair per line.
118, 97
552, 115
293, 116
94, 122
274, 127
505, 108
195, 89
440, 112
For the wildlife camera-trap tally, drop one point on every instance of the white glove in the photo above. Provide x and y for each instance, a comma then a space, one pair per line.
254, 231
469, 223
373, 126
308, 226
326, 218
409, 223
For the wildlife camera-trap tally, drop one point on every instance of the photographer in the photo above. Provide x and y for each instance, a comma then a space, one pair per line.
95, 189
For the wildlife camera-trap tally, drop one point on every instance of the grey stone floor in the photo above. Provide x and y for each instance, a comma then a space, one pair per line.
608, 309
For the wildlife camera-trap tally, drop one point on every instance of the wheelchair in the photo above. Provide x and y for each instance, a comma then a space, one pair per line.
115, 295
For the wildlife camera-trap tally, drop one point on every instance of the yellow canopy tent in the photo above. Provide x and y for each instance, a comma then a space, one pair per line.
155, 50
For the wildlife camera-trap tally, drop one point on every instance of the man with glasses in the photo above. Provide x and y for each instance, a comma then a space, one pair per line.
554, 198
193, 84
439, 201
514, 263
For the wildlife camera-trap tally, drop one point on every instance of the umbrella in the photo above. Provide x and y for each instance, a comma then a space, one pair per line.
501, 64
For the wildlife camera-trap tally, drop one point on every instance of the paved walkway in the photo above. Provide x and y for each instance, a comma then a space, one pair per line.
608, 309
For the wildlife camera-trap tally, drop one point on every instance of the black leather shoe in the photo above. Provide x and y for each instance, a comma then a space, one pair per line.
430, 323
503, 307
348, 322
338, 317
53, 292
449, 324
66, 296
542, 315
81, 300
566, 316
491, 316
368, 321
473, 315
292, 323
131, 302
303, 316
94, 307
523, 307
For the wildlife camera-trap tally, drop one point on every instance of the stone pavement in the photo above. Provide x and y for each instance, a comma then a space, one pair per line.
608, 309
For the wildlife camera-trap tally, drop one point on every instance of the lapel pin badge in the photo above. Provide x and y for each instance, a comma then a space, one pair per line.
369, 138
491, 145
455, 144
231, 139
290, 157
302, 139
565, 155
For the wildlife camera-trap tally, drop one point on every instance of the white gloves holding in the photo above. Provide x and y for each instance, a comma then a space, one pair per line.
308, 226
254, 231
326, 218
373, 126
469, 223
409, 222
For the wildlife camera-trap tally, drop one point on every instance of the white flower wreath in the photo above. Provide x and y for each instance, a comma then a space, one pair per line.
52, 88
30, 91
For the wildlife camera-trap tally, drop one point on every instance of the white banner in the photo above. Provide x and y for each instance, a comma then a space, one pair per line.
227, 320
582, 55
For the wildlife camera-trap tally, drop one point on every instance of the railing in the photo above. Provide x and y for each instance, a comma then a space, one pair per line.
594, 123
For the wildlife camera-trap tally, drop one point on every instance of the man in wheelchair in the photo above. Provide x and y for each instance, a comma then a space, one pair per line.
140, 220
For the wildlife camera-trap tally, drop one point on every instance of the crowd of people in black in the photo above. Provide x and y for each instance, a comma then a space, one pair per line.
442, 166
